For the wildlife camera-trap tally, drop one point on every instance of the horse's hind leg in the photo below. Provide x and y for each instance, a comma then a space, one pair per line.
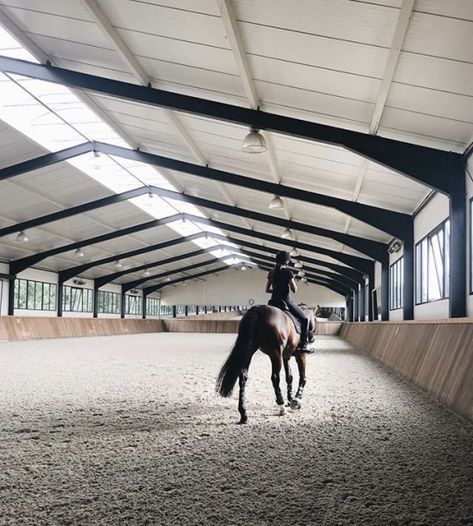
275, 379
289, 378
242, 381
300, 359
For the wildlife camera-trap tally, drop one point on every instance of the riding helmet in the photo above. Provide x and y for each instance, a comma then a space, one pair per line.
283, 257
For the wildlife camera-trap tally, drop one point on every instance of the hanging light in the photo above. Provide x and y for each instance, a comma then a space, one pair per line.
243, 267
150, 193
254, 142
276, 203
118, 264
184, 283
79, 253
301, 273
298, 264
295, 252
287, 234
168, 279
304, 280
146, 273
22, 237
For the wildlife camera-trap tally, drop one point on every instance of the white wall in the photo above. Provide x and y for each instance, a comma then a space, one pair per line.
236, 288
436, 211
4, 268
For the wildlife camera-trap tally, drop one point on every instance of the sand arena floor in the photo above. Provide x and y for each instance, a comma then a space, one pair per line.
128, 431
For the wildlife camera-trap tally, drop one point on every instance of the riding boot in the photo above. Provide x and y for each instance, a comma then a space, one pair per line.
303, 346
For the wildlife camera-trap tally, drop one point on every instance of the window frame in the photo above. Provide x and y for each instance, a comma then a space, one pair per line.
108, 300
135, 307
399, 266
37, 290
470, 255
446, 265
84, 299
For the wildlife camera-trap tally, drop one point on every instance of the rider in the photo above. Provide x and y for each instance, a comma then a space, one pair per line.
280, 282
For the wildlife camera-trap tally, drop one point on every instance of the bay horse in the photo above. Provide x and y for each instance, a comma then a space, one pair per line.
271, 330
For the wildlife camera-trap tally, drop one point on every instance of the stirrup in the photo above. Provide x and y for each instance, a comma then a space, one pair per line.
306, 349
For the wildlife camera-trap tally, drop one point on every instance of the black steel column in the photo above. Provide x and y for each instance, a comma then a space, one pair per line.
408, 286
384, 290
11, 296
186, 310
95, 302
60, 297
196, 309
458, 267
371, 287
143, 308
349, 308
122, 303
174, 311
355, 305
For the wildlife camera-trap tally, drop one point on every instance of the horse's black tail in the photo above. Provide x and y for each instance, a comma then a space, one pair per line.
233, 366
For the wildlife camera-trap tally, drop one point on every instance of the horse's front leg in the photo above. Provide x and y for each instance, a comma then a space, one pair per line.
289, 378
300, 359
276, 379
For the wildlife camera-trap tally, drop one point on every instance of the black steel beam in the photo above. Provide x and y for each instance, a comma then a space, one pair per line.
132, 284
386, 220
349, 272
427, 165
310, 271
69, 273
68, 212
100, 282
45, 160
373, 249
154, 288
361, 264
18, 265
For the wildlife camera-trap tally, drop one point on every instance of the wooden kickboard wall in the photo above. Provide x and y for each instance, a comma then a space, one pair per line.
437, 356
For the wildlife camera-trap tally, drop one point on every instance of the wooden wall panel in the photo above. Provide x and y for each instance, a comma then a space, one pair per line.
328, 328
13, 328
436, 355
199, 325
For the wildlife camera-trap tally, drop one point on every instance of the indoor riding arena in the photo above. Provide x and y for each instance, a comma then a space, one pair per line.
236, 272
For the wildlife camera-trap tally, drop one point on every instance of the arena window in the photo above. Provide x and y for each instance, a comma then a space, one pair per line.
152, 306
432, 265
133, 304
108, 302
35, 295
396, 281
471, 245
76, 299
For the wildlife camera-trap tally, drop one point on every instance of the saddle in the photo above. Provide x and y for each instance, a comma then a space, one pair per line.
283, 306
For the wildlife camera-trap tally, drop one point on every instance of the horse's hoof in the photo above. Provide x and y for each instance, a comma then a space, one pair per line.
243, 420
295, 404
281, 410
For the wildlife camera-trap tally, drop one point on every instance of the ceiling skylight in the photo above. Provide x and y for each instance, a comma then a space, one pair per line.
54, 117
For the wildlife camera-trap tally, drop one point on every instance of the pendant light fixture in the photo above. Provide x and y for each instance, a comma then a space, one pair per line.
298, 264
253, 142
22, 237
118, 264
287, 234
276, 203
146, 273
79, 253
295, 252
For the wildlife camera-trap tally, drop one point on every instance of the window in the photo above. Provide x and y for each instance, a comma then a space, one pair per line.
34, 295
152, 306
76, 299
433, 265
108, 302
396, 281
166, 310
133, 304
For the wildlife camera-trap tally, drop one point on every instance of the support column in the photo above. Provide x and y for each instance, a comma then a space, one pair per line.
95, 302
122, 303
11, 296
349, 308
408, 286
457, 252
60, 297
143, 306
355, 305
196, 310
371, 287
385, 289
186, 310
174, 311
